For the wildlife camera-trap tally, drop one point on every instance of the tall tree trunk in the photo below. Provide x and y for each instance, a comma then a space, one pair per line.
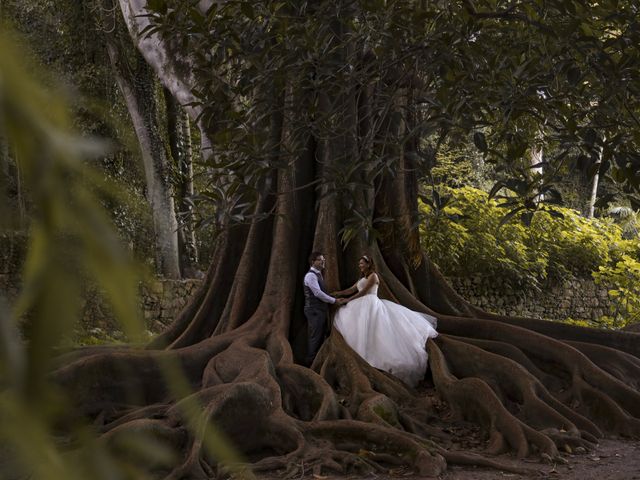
536, 166
137, 83
179, 130
594, 185
594, 195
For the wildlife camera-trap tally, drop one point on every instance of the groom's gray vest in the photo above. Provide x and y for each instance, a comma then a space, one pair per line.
310, 300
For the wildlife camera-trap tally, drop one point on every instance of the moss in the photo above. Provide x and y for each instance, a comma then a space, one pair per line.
387, 414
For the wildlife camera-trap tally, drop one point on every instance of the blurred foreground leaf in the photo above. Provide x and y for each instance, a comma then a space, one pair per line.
70, 237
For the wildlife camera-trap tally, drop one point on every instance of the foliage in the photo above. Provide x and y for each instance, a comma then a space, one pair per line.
65, 210
587, 323
99, 336
567, 101
464, 233
509, 73
624, 279
67, 39
628, 220
68, 50
458, 164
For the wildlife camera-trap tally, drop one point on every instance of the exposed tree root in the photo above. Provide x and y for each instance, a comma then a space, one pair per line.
532, 394
473, 399
621, 365
465, 458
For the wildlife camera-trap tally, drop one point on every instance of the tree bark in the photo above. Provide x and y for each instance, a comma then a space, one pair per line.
591, 207
179, 130
536, 166
139, 89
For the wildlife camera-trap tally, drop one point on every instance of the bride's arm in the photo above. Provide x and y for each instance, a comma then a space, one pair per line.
346, 291
371, 281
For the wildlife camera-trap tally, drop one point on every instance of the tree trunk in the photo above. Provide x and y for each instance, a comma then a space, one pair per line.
536, 166
535, 387
179, 129
591, 207
138, 86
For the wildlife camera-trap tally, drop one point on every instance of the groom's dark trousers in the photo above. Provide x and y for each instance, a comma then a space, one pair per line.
316, 312
316, 325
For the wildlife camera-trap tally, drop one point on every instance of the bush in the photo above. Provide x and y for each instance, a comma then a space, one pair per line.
466, 237
624, 280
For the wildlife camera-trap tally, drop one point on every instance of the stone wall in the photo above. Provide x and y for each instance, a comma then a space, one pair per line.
580, 299
161, 301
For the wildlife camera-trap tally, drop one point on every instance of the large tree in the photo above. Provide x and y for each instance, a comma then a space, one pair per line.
313, 118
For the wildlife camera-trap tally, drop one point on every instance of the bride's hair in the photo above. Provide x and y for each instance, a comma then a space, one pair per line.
369, 261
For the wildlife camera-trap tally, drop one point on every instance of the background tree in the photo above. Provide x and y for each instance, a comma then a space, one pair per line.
64, 41
180, 143
139, 88
310, 118
71, 38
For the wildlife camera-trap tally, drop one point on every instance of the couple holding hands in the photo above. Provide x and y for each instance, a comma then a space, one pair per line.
385, 334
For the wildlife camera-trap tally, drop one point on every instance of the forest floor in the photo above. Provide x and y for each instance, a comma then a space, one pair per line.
611, 458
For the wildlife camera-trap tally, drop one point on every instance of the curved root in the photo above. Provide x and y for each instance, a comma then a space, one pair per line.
531, 393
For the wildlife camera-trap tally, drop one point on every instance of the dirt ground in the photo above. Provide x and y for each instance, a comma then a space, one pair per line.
612, 459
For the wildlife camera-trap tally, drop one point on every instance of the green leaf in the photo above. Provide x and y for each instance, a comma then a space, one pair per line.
526, 218
509, 216
496, 188
556, 214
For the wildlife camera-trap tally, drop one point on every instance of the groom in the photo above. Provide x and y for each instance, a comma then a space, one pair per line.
316, 305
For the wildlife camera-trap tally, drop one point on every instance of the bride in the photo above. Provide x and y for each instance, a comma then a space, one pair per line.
387, 335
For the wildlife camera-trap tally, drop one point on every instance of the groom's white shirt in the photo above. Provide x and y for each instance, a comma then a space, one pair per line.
311, 281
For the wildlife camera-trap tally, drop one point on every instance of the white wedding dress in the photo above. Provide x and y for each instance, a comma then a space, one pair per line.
387, 335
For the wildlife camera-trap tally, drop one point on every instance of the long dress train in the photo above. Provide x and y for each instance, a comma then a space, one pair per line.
387, 335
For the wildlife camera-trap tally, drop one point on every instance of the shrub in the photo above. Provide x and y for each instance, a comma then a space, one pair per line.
463, 232
624, 279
